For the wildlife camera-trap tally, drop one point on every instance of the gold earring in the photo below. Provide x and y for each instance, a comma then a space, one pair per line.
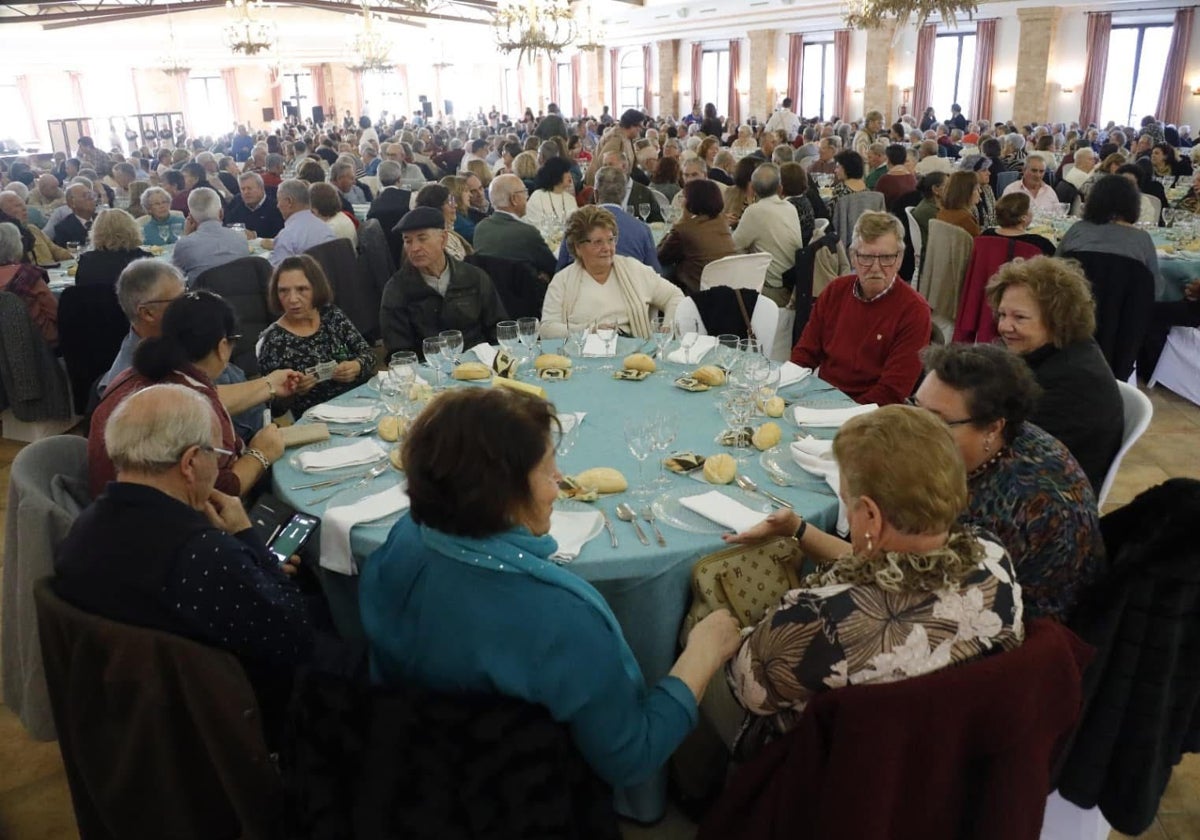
870, 544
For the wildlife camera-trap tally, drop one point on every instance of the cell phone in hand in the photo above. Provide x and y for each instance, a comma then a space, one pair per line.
292, 536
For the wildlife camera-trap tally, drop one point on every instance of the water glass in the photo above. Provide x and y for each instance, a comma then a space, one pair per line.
727, 345
508, 334
527, 333
736, 410
666, 428
643, 211
662, 330
433, 348
606, 331
164, 234
639, 437
577, 333
402, 367
454, 344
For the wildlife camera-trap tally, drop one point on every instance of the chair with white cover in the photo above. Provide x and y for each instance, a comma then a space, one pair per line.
819, 228
737, 271
1063, 820
914, 233
1154, 213
687, 318
1178, 367
372, 182
765, 323
1138, 412
664, 203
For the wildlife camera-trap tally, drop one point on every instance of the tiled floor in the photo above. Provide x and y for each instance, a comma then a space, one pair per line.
35, 804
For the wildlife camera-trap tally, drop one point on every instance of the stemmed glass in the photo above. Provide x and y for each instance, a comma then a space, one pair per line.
727, 344
434, 347
666, 427
164, 234
454, 344
577, 333
527, 333
643, 211
507, 333
662, 330
606, 331
736, 410
639, 437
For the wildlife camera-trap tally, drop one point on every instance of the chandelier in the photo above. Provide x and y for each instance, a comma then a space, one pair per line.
372, 49
869, 14
532, 26
591, 36
171, 65
246, 34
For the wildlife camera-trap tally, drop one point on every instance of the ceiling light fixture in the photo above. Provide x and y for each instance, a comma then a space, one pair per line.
527, 27
869, 14
246, 34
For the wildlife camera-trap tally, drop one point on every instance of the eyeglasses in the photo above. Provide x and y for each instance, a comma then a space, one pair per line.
596, 243
234, 339
227, 453
884, 260
951, 423
157, 301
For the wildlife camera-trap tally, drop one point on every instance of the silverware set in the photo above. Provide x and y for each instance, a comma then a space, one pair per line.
364, 478
626, 513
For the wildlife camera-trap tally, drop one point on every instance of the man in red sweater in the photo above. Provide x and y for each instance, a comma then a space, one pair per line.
867, 329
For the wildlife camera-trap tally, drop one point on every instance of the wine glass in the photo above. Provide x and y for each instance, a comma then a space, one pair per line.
570, 433
454, 344
639, 437
606, 331
577, 333
727, 344
393, 394
666, 427
736, 410
631, 210
662, 330
433, 348
402, 367
527, 333
643, 211
508, 334
76, 248
164, 234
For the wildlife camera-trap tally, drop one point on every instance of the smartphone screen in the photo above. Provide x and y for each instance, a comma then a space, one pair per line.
294, 534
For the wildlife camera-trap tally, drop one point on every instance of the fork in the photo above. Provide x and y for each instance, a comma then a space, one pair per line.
366, 430
648, 515
372, 474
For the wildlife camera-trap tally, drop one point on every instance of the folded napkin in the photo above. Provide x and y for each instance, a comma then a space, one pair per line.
485, 352
697, 348
816, 456
337, 522
327, 413
828, 417
352, 455
593, 346
815, 447
572, 530
791, 373
570, 419
723, 510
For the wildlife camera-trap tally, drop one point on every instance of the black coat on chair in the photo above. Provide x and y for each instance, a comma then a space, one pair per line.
1124, 291
91, 327
243, 283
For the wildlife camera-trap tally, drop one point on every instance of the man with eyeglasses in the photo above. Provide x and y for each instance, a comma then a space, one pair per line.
867, 329
1032, 183
504, 235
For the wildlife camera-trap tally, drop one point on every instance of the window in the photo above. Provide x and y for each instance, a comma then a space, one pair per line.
21, 128
631, 79
566, 85
107, 93
1137, 59
953, 75
714, 79
208, 106
297, 92
816, 83
381, 92
510, 94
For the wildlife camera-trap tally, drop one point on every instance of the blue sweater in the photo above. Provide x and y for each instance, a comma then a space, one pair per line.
457, 627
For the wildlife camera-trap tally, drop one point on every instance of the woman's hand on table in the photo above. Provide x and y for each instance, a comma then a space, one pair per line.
347, 371
284, 382
780, 523
269, 442
226, 512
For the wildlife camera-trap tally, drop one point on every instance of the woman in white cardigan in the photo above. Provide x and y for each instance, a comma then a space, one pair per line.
602, 286
553, 202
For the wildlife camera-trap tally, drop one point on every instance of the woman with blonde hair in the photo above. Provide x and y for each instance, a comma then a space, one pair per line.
116, 242
481, 170
525, 167
461, 199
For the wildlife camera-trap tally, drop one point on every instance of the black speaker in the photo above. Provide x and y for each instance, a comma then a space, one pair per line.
422, 98
292, 110
427, 108
318, 114
268, 114
449, 108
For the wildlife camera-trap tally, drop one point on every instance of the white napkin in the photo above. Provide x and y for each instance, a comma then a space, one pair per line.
570, 419
791, 373
485, 352
816, 456
594, 346
828, 417
327, 413
351, 455
723, 510
697, 348
572, 530
815, 447
337, 522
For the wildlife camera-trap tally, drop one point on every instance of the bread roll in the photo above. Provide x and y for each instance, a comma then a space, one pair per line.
766, 436
552, 361
709, 375
774, 407
639, 361
719, 469
390, 428
603, 480
472, 370
396, 456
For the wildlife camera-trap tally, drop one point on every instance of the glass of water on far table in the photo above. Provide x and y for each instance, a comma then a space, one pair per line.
577, 333
644, 212
606, 331
434, 348
508, 336
662, 330
527, 334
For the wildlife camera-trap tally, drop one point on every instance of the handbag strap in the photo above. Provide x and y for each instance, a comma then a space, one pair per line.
737, 294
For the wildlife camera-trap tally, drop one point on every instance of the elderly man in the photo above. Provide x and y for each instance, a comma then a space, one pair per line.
825, 164
46, 194
341, 175
877, 164
44, 251
503, 234
393, 200
552, 124
477, 207
205, 243
212, 175
1085, 162
1033, 185
773, 228
867, 329
123, 174
411, 177
161, 225
432, 291
301, 227
931, 161
76, 223
619, 139
272, 175
633, 235
196, 560
254, 208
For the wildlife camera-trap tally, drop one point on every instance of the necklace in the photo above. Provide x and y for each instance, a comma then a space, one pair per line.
982, 468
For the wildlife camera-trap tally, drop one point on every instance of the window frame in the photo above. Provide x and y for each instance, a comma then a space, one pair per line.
639, 89
826, 49
1137, 63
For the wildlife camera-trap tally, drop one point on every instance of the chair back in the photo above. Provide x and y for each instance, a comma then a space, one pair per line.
820, 226
375, 266
687, 318
947, 255
1155, 214
517, 283
243, 283
1066, 192
1138, 411
352, 292
914, 233
1003, 179
765, 322
849, 207
372, 183
1178, 367
47, 489
139, 710
737, 271
1124, 291
975, 322
664, 203
91, 327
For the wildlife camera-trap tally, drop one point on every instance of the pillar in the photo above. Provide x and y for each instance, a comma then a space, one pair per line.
765, 70
668, 78
1039, 26
594, 93
877, 87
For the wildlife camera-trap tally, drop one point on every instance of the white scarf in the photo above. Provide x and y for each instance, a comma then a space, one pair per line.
635, 307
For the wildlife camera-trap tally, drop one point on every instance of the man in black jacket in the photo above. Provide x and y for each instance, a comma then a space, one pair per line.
432, 291
255, 209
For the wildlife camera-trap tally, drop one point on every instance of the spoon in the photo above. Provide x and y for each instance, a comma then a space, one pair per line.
626, 514
373, 473
747, 484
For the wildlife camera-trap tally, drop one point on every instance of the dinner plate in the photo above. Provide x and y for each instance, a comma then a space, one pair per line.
668, 508
778, 461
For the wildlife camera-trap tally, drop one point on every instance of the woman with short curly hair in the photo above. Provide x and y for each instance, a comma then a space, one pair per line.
116, 242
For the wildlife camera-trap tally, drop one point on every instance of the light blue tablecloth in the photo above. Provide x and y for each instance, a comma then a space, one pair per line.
646, 586
1176, 271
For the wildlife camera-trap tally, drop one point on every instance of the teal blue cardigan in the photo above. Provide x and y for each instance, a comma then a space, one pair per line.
475, 622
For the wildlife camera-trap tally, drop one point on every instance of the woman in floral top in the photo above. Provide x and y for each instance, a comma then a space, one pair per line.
311, 331
911, 593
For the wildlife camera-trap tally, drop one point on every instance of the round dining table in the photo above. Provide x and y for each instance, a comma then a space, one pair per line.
647, 586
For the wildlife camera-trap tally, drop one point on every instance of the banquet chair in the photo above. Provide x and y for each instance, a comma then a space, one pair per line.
91, 327
1138, 411
1156, 206
850, 207
687, 318
819, 228
766, 321
516, 282
1003, 179
975, 322
35, 396
160, 736
372, 183
1124, 292
375, 266
352, 293
243, 283
914, 233
943, 270
737, 271
1178, 367
664, 203
47, 489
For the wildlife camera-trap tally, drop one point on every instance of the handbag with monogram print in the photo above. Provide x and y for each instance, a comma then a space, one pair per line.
744, 579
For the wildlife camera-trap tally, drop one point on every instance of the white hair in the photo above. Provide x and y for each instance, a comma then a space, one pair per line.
152, 438
11, 247
204, 204
18, 189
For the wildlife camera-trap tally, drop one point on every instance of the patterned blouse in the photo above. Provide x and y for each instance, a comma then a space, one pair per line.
850, 634
335, 340
1038, 501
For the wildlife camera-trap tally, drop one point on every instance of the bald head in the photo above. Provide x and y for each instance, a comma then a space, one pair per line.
503, 190
47, 185
153, 431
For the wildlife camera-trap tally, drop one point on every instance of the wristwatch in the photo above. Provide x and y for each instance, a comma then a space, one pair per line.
799, 535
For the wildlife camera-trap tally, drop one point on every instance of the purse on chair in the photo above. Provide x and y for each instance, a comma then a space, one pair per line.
744, 579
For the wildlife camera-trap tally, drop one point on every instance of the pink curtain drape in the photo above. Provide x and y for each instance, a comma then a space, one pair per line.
181, 80
1099, 28
554, 82
923, 73
26, 91
985, 52
576, 102
1173, 76
76, 91
276, 80
735, 82
356, 77
795, 71
229, 77
647, 81
841, 71
614, 76
697, 64
319, 93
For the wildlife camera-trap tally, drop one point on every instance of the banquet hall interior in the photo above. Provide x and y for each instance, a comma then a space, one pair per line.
189, 76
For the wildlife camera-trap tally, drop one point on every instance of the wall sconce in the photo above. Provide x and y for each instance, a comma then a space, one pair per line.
857, 90
1196, 91
1067, 89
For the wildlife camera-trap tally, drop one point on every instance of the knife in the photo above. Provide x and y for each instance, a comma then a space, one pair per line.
608, 526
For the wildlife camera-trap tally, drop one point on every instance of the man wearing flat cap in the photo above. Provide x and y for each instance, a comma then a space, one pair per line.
432, 291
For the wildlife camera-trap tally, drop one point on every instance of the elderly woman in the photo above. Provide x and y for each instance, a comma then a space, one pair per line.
794, 182
700, 237
439, 598
1025, 487
889, 603
1013, 216
439, 198
460, 195
28, 282
867, 329
602, 286
1165, 163
745, 142
326, 205
741, 195
199, 333
116, 242
1046, 315
959, 201
310, 331
1109, 226
161, 225
553, 202
848, 176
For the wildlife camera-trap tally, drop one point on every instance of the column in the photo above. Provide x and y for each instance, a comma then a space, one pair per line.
766, 68
878, 93
1032, 96
668, 78
595, 94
